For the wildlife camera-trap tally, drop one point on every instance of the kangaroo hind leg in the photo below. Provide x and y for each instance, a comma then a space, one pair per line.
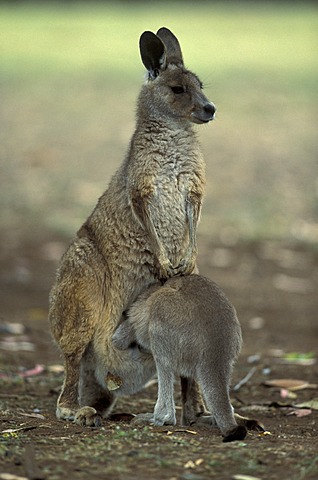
164, 411
76, 304
216, 393
96, 402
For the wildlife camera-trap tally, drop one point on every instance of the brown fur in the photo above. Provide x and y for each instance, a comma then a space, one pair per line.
143, 228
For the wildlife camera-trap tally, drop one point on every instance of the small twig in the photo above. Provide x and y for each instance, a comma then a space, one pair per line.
244, 380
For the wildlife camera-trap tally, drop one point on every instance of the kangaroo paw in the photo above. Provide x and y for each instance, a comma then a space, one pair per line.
143, 419
238, 433
88, 417
65, 413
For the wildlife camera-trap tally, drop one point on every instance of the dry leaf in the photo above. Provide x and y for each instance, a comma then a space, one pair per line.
289, 383
20, 429
302, 412
193, 464
192, 432
55, 368
33, 415
187, 431
245, 477
313, 404
10, 476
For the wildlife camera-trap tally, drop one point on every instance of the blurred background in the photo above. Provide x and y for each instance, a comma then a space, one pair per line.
70, 76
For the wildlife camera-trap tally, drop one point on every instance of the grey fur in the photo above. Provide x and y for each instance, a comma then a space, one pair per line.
192, 331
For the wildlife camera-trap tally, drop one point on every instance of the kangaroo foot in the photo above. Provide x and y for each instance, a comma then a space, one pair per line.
88, 417
143, 419
65, 413
151, 419
238, 433
250, 424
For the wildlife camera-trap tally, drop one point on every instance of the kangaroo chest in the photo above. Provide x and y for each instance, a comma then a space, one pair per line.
172, 185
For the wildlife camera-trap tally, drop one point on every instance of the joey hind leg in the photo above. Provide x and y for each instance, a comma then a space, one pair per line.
164, 411
248, 423
224, 417
216, 393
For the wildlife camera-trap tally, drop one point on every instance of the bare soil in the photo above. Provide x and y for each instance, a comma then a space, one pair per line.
274, 288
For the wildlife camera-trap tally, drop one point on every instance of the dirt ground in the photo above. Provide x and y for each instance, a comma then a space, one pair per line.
274, 288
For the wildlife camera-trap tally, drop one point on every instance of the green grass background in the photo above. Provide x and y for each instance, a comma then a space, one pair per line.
69, 77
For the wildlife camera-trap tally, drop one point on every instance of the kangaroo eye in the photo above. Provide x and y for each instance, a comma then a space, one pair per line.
178, 90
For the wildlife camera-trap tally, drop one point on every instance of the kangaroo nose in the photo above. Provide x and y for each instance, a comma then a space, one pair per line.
210, 108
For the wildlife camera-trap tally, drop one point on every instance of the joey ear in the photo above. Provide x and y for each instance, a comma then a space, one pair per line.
173, 49
152, 52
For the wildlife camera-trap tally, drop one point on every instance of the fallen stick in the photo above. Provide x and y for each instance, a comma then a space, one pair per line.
244, 380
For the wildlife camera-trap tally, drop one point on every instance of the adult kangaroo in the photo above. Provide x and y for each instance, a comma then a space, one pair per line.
142, 229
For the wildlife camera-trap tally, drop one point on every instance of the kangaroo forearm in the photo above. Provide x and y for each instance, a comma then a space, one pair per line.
193, 210
141, 209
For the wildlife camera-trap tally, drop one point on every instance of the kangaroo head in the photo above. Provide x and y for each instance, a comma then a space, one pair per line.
171, 90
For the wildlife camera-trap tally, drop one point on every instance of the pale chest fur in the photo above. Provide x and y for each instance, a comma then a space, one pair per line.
168, 168
172, 185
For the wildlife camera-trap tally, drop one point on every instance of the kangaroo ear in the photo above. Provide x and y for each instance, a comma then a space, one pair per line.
153, 54
173, 49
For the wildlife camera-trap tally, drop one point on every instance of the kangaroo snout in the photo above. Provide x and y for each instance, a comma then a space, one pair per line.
210, 109
205, 114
